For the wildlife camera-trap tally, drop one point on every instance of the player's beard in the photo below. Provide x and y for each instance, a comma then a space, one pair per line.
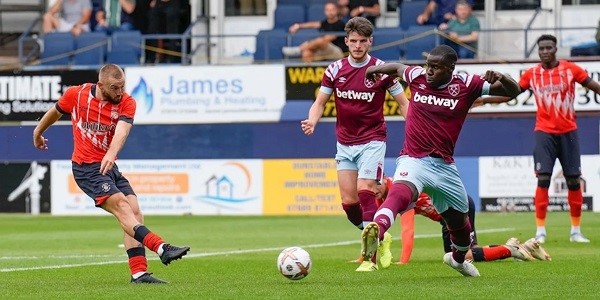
110, 98
359, 57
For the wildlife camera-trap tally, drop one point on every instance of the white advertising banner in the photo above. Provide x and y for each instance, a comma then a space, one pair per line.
508, 183
207, 94
172, 187
585, 100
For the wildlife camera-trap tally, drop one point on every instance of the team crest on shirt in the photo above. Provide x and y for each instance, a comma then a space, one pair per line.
114, 114
105, 187
369, 83
454, 89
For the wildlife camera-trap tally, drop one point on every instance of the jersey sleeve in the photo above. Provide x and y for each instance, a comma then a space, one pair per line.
411, 73
525, 80
66, 103
329, 76
127, 110
579, 73
394, 86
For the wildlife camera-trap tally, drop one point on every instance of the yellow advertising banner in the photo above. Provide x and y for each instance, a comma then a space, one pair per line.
301, 187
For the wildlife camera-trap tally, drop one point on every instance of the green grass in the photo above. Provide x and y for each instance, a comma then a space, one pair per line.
28, 243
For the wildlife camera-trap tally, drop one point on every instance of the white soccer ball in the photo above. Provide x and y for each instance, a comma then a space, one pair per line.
294, 263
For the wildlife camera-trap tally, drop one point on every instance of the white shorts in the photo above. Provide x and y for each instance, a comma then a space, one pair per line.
64, 26
439, 179
367, 159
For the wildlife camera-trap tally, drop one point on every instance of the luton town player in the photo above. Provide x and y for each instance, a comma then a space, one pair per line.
439, 105
360, 127
102, 115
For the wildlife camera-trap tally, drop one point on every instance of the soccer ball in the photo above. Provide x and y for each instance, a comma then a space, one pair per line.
294, 263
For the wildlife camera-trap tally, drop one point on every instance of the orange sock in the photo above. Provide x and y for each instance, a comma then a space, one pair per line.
575, 199
495, 253
137, 260
541, 205
407, 221
152, 241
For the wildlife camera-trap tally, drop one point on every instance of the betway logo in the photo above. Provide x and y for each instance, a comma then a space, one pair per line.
435, 100
354, 95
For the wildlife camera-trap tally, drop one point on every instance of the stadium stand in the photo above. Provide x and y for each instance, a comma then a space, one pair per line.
286, 15
315, 12
269, 44
419, 39
386, 43
90, 48
57, 48
125, 48
409, 10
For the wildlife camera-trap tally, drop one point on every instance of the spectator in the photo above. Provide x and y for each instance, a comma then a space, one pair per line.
164, 18
368, 9
325, 47
439, 11
74, 17
463, 31
115, 16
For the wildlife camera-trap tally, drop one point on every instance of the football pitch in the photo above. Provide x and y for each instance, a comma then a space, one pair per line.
49, 257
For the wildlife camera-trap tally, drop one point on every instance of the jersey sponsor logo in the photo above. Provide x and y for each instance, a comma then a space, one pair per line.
454, 89
95, 126
433, 100
354, 95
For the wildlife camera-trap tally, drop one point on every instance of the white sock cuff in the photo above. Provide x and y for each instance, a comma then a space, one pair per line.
386, 212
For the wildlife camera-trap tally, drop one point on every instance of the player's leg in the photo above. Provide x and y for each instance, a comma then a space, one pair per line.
471, 214
347, 172
407, 221
498, 252
450, 200
570, 160
544, 156
374, 237
370, 172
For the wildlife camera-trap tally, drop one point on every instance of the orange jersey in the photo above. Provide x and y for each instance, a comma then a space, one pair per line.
554, 91
94, 120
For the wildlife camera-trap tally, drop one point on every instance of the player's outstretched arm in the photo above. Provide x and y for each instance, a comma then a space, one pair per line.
593, 85
117, 143
502, 84
314, 114
387, 68
490, 100
49, 118
403, 103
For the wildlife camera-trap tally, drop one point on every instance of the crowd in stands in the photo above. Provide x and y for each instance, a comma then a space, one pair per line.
109, 16
460, 29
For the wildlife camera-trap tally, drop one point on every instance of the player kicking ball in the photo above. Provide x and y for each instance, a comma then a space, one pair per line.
440, 102
102, 116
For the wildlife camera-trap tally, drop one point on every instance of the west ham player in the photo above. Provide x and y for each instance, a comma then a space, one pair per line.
529, 250
553, 85
360, 127
439, 105
102, 116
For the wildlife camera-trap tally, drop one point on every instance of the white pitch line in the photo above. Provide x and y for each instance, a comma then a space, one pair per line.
206, 254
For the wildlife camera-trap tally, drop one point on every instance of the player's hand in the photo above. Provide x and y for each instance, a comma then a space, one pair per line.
307, 126
108, 161
40, 142
369, 74
492, 76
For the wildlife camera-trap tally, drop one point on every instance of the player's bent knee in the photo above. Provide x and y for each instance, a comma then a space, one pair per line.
573, 183
543, 181
413, 189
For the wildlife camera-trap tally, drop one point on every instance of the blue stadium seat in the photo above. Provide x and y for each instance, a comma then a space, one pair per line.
409, 10
57, 48
315, 12
422, 43
269, 44
302, 36
386, 43
125, 48
94, 44
286, 15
